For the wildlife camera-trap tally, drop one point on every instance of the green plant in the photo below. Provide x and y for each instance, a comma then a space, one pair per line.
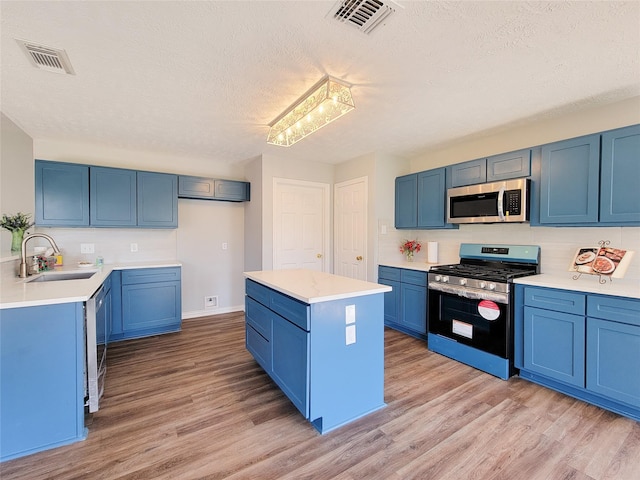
19, 221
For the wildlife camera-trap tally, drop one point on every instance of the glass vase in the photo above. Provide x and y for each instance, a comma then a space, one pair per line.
16, 241
409, 256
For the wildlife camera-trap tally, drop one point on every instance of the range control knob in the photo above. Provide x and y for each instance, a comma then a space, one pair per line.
492, 286
445, 279
483, 284
463, 281
438, 278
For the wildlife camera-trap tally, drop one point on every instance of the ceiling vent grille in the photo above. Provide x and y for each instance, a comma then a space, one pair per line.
365, 15
47, 58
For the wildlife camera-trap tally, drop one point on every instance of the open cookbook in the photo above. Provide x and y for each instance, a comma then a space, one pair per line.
607, 261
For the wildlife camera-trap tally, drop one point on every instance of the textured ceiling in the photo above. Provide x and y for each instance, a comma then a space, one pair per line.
206, 78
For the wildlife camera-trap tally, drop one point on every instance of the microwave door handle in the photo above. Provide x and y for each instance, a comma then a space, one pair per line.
501, 203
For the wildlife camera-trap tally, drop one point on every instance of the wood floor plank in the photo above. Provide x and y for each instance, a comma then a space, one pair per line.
195, 405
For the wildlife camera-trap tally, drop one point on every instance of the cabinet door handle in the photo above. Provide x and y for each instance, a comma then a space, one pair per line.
318, 255
359, 258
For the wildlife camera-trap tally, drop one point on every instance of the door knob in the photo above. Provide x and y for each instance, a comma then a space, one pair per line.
359, 258
318, 255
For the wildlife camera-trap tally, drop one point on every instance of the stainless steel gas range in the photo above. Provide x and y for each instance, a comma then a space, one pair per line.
470, 305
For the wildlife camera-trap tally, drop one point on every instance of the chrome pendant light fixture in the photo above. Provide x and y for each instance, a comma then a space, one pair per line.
323, 103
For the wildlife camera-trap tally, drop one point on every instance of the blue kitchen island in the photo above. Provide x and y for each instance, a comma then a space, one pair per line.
320, 337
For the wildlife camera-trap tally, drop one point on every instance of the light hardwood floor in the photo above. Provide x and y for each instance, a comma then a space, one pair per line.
195, 405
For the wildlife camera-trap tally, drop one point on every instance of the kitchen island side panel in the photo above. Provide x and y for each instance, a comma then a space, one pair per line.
347, 360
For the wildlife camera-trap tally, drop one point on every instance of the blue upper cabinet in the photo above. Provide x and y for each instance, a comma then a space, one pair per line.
406, 208
432, 193
157, 200
421, 200
73, 195
212, 189
570, 177
196, 187
469, 173
231, 190
112, 197
591, 180
62, 194
509, 165
620, 174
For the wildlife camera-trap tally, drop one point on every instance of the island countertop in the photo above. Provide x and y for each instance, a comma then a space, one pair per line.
310, 286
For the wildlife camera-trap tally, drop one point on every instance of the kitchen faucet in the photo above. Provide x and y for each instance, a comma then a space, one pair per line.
23, 254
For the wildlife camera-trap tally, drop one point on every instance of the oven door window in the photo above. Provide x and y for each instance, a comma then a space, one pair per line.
481, 324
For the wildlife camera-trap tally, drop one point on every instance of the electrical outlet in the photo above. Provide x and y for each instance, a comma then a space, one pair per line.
211, 301
225, 245
134, 247
87, 248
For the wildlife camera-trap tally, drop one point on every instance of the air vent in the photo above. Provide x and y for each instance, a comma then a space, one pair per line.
46, 58
365, 15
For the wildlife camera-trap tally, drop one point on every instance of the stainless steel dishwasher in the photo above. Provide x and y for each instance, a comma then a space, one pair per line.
96, 348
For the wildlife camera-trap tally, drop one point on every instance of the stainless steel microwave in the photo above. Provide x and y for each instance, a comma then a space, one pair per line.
506, 201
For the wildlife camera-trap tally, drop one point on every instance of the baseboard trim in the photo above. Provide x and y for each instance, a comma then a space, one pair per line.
211, 311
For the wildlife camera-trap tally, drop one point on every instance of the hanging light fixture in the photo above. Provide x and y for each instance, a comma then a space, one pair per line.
326, 101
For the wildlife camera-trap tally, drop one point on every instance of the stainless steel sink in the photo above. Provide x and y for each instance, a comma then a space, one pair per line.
59, 276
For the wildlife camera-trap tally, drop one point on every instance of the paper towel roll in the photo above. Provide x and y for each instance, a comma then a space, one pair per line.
432, 252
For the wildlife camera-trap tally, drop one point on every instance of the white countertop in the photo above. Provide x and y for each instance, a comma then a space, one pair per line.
19, 292
422, 266
619, 287
310, 286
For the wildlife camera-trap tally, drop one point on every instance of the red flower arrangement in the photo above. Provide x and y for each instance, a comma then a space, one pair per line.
409, 247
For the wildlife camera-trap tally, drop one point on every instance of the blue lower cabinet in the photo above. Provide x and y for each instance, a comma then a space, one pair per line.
613, 360
290, 367
392, 303
591, 354
554, 345
405, 307
331, 371
259, 347
150, 303
41, 378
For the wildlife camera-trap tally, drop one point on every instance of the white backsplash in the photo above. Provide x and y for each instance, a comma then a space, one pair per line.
557, 244
113, 244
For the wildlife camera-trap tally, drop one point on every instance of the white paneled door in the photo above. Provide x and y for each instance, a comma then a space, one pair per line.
300, 224
351, 228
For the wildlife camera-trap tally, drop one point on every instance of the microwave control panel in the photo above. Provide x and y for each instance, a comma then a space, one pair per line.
513, 202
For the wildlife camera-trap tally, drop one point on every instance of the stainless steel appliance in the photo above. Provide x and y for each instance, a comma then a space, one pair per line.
95, 349
506, 201
470, 305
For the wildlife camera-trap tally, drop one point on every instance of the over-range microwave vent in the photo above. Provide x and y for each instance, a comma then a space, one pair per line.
365, 15
46, 58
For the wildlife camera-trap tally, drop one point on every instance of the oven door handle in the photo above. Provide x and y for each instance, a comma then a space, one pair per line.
501, 203
472, 294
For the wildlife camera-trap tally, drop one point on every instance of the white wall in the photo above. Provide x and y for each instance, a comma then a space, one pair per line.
557, 244
253, 217
16, 176
197, 243
599, 119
